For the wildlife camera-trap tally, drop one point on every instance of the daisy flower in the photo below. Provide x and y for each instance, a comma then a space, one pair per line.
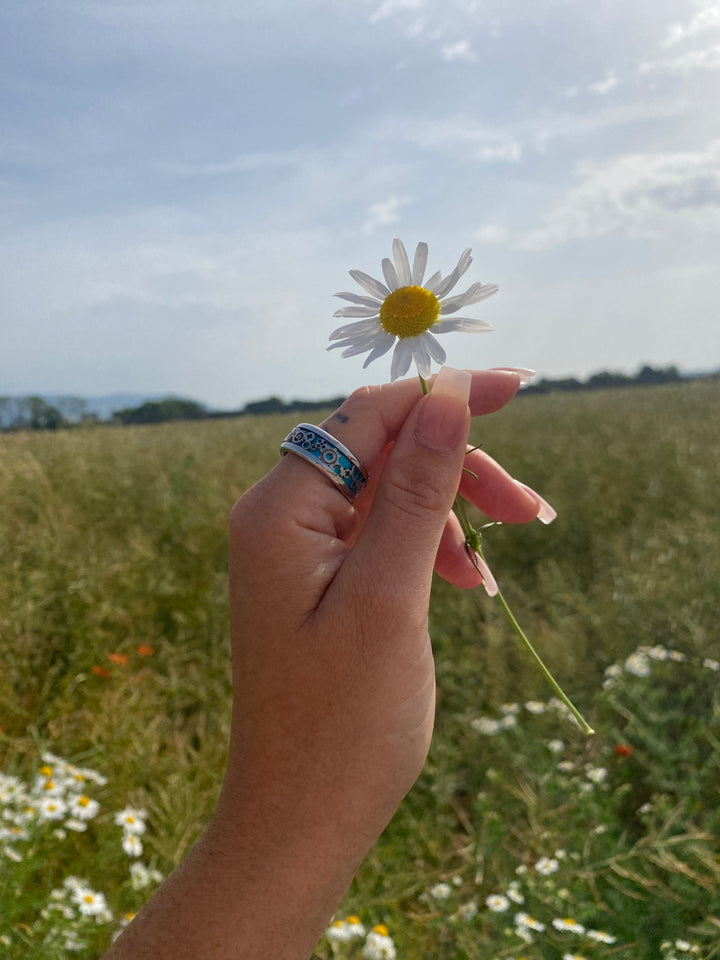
567, 923
497, 903
379, 944
402, 311
131, 820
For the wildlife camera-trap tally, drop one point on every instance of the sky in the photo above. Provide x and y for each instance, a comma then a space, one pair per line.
184, 185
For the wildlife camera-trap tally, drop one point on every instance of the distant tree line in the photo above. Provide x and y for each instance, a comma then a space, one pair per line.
645, 377
36, 413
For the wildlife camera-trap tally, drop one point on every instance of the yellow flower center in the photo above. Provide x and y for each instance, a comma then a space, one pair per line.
380, 927
46, 771
409, 311
83, 801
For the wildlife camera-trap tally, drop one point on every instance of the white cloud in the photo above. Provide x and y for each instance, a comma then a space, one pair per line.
383, 214
460, 50
635, 195
705, 60
389, 8
708, 18
606, 85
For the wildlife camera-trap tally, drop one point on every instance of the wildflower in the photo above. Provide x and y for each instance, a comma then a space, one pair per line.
118, 658
131, 820
379, 944
638, 664
547, 866
535, 706
568, 924
711, 664
510, 708
497, 903
572, 956
555, 746
513, 893
401, 312
102, 672
78, 826
84, 808
566, 766
90, 903
52, 808
600, 936
132, 845
530, 923
624, 750
141, 876
145, 650
338, 932
486, 726
683, 945
441, 891
596, 774
508, 722
467, 911
355, 926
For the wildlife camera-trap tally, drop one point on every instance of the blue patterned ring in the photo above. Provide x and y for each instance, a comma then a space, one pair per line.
327, 454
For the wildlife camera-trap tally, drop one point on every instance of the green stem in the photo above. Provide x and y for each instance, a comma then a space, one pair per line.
472, 544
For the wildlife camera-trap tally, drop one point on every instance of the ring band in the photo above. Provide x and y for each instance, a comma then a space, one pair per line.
327, 454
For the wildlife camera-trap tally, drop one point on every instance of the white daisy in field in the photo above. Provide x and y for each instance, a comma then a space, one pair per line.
567, 923
402, 311
600, 936
547, 866
131, 820
90, 903
52, 808
83, 808
132, 845
441, 891
497, 903
379, 944
529, 923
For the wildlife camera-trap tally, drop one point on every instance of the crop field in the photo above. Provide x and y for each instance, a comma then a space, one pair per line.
522, 838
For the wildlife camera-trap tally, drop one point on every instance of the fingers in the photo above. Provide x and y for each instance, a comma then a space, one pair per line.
371, 417
394, 554
490, 488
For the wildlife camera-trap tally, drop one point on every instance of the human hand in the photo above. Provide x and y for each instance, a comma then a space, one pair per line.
333, 679
333, 668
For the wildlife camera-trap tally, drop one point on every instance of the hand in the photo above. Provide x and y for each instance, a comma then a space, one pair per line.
332, 664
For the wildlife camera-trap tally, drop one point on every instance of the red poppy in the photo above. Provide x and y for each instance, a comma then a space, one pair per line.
119, 658
624, 750
101, 672
145, 650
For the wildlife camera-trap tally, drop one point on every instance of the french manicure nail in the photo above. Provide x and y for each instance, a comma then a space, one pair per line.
546, 514
525, 373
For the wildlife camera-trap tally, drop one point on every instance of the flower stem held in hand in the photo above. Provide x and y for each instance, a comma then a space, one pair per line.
473, 541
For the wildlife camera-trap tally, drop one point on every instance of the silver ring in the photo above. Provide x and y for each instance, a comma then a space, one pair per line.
327, 454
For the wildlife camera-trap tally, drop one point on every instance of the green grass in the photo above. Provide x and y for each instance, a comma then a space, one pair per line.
115, 538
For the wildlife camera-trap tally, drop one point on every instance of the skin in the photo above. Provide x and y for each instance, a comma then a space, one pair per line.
333, 677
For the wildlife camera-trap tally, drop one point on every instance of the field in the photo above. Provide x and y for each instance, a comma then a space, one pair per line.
522, 839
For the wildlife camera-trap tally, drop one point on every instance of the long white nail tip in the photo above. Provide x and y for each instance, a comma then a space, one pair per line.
491, 587
546, 514
525, 373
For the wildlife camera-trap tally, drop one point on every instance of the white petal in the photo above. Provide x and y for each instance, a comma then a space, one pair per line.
382, 346
434, 348
356, 298
449, 282
402, 265
433, 281
421, 356
419, 264
474, 294
391, 277
356, 312
361, 346
373, 287
352, 329
464, 324
402, 358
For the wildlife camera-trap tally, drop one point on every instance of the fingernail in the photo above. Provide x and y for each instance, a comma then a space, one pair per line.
442, 422
546, 514
525, 373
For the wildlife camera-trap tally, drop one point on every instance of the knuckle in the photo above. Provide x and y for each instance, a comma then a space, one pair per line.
416, 489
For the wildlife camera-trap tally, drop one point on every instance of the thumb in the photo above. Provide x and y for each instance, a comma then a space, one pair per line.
415, 492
